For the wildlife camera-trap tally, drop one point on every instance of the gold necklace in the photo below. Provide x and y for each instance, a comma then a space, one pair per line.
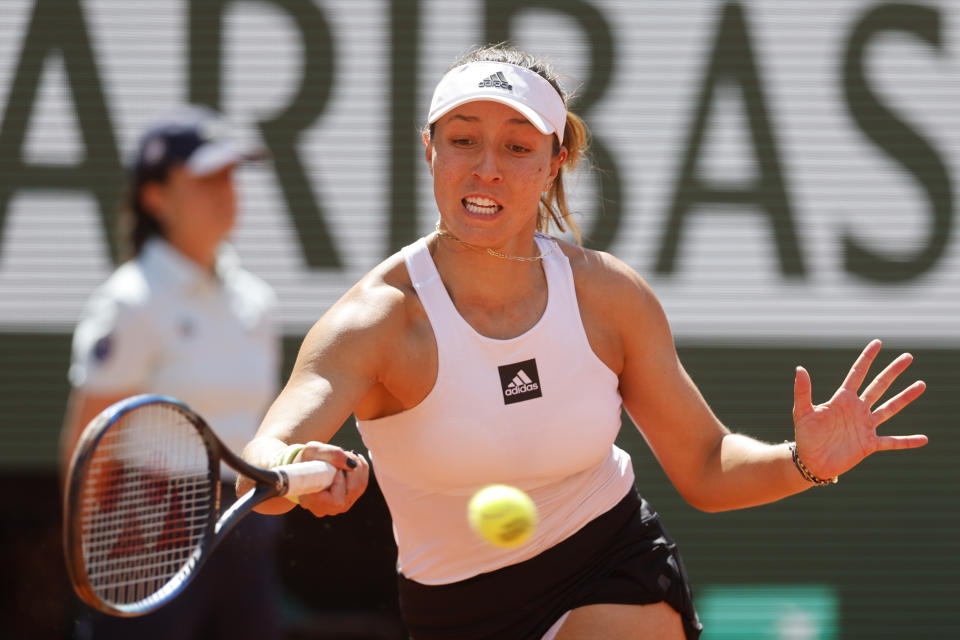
443, 233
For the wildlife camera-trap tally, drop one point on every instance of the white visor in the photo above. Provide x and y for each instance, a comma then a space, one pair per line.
517, 87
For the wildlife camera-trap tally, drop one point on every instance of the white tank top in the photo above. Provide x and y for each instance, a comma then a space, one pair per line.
539, 412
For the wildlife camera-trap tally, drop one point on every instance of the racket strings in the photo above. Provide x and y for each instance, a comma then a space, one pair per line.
146, 505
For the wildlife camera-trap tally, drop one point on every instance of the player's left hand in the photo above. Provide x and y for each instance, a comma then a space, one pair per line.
835, 436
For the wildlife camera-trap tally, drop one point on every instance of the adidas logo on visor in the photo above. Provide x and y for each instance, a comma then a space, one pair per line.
496, 80
520, 381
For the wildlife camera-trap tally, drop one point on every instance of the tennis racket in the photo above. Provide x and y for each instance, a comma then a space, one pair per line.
140, 506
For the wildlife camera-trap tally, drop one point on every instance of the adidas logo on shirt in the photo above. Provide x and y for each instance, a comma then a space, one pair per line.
520, 384
496, 80
520, 381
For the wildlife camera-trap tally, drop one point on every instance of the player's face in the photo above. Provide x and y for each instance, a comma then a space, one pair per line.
197, 210
490, 166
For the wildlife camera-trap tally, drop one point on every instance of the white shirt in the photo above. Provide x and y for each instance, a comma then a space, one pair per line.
162, 324
539, 412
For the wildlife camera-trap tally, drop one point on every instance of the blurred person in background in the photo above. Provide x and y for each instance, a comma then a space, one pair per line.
182, 318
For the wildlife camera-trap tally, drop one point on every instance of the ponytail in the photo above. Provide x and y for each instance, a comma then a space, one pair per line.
553, 204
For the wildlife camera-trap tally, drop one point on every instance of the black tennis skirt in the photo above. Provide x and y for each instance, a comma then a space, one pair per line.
624, 556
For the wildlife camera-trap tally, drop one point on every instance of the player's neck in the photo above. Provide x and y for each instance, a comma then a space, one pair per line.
480, 281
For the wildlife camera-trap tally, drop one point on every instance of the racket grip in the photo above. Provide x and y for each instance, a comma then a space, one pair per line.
307, 477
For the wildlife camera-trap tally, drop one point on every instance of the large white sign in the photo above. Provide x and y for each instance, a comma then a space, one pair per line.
777, 171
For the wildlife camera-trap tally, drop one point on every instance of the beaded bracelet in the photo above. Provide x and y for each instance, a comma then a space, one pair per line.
809, 477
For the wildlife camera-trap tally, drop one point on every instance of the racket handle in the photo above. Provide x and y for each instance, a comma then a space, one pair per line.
307, 477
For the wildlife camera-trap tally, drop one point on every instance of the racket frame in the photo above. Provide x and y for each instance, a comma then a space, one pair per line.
270, 483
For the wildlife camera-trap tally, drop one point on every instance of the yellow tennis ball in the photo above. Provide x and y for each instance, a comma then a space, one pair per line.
502, 515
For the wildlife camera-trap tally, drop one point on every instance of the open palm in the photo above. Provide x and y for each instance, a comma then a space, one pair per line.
835, 436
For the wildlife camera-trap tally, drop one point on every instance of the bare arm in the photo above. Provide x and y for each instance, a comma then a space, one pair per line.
712, 468
716, 470
340, 361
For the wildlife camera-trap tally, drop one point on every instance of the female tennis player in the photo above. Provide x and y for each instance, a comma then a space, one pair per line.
488, 351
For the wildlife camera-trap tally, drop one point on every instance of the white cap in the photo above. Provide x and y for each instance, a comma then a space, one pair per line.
196, 137
517, 87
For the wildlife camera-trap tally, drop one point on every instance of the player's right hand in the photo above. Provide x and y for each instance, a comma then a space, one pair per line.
348, 484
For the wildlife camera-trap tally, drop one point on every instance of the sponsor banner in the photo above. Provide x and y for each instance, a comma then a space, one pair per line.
777, 171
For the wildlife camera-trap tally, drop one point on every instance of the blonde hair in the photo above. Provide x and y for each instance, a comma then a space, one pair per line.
553, 207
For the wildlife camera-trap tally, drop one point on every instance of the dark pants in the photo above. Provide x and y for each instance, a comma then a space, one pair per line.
236, 594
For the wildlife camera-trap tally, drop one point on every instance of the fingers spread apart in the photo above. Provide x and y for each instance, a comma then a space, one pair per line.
885, 378
858, 372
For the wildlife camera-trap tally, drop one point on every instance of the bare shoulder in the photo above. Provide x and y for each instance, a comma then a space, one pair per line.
376, 334
378, 340
381, 304
604, 281
619, 310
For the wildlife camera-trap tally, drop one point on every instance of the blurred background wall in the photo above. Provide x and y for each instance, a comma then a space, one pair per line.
783, 173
